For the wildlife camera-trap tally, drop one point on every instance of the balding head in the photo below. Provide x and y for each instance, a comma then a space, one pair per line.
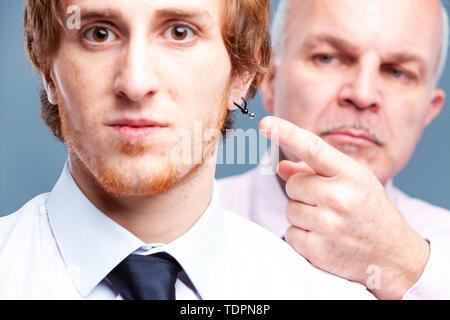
444, 45
281, 17
360, 74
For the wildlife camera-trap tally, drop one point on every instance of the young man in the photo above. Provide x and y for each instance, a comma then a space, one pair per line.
138, 91
362, 76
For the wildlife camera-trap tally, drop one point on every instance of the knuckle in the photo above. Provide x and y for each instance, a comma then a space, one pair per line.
346, 201
333, 199
291, 187
289, 235
291, 212
342, 199
292, 238
328, 222
303, 245
329, 198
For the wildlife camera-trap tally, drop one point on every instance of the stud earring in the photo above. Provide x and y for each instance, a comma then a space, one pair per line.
244, 109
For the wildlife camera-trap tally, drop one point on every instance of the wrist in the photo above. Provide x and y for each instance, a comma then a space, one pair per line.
401, 276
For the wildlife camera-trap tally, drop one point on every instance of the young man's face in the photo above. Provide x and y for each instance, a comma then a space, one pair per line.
130, 78
360, 74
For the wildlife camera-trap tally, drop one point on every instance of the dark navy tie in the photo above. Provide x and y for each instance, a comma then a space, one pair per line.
140, 277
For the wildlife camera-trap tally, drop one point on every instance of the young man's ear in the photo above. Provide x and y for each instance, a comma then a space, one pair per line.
267, 89
50, 88
238, 89
437, 102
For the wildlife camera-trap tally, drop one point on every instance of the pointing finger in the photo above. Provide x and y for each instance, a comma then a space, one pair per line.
287, 168
320, 156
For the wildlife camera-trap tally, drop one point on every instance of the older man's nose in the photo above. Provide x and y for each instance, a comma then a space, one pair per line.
361, 89
137, 76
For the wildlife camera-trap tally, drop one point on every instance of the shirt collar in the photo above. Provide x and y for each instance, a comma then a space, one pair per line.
202, 250
92, 244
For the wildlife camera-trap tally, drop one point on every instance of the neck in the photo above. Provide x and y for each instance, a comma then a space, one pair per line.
157, 219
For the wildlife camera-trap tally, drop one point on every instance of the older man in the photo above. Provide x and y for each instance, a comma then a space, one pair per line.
362, 76
135, 214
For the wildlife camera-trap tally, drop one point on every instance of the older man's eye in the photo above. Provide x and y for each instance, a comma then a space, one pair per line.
328, 59
395, 72
179, 33
399, 74
100, 35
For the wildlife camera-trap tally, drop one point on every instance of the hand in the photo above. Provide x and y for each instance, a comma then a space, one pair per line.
342, 219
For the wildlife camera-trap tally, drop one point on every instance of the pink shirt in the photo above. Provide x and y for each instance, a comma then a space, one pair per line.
260, 198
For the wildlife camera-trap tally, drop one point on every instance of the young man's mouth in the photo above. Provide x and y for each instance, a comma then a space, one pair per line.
136, 128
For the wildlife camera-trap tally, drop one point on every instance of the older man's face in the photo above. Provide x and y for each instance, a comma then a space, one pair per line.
360, 75
134, 82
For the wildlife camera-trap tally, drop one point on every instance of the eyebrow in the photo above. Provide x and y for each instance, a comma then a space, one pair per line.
184, 13
174, 13
347, 47
336, 42
89, 14
404, 57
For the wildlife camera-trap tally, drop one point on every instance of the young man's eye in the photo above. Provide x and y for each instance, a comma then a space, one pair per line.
179, 33
100, 35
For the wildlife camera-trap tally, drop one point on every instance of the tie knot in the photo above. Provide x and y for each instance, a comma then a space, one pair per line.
140, 277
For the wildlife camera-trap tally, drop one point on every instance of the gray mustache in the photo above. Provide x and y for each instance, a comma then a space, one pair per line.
375, 135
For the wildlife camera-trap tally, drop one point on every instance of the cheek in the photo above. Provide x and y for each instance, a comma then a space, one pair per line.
407, 123
196, 81
405, 118
83, 84
406, 111
303, 96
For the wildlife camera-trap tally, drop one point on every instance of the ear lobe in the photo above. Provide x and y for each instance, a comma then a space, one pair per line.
50, 88
437, 102
238, 90
267, 94
267, 90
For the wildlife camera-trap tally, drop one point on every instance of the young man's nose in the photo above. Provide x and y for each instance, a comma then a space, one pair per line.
137, 76
361, 88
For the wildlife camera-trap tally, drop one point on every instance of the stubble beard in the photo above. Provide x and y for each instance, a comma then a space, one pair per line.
164, 175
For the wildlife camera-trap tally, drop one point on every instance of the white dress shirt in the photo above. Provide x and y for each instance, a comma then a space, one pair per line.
259, 197
60, 246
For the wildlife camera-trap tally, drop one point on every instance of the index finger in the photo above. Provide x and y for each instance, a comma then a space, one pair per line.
319, 155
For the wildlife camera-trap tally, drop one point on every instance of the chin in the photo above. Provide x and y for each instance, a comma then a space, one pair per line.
138, 179
360, 154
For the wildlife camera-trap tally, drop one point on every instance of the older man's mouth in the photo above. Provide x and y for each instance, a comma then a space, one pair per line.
349, 136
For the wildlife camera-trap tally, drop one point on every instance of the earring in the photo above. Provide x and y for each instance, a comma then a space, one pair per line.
244, 109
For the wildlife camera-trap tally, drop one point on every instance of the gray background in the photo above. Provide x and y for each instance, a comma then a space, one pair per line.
31, 159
